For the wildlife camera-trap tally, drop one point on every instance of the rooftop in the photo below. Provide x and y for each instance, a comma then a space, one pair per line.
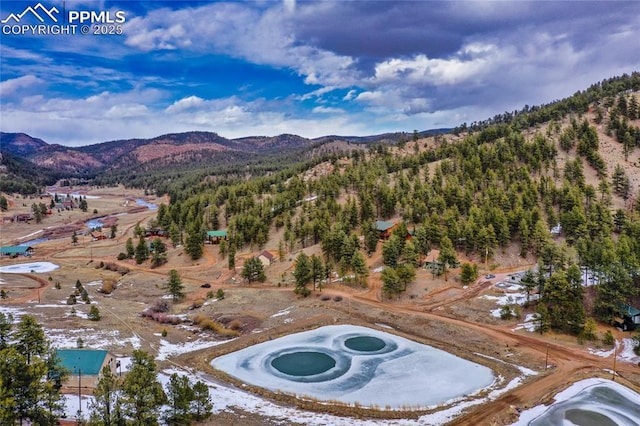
88, 361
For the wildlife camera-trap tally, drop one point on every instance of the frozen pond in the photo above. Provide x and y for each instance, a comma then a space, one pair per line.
357, 365
25, 268
591, 402
150, 206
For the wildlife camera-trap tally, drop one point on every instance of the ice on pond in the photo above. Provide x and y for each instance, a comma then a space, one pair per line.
588, 402
383, 370
25, 268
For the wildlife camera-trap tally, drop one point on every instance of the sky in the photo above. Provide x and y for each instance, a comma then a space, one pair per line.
311, 68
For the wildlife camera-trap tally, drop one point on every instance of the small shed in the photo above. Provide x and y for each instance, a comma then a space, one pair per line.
13, 251
384, 228
85, 366
266, 258
215, 237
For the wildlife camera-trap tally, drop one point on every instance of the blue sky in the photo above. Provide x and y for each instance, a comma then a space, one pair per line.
310, 68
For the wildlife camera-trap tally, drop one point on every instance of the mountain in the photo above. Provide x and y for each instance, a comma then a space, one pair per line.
170, 150
20, 144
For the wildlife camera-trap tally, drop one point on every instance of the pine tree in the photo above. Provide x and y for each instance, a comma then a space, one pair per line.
201, 406
142, 251
317, 270
142, 393
448, 256
359, 267
94, 313
105, 406
175, 286
253, 270
302, 274
129, 248
179, 396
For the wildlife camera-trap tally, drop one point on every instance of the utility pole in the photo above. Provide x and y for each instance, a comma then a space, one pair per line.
546, 359
615, 356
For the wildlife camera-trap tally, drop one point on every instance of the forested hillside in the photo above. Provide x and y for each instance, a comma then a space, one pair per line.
486, 188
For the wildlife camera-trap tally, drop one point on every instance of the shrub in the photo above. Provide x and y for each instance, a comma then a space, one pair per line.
220, 294
210, 295
337, 298
236, 324
71, 300
161, 305
196, 304
505, 312
164, 332
121, 256
58, 286
94, 313
107, 287
208, 324
589, 330
608, 338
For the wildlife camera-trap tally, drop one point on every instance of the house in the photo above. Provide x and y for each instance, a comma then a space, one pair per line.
22, 217
266, 258
215, 237
155, 232
96, 236
14, 251
384, 229
84, 366
630, 319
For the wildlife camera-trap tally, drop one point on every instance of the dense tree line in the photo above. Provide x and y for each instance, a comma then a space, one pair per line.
493, 188
30, 375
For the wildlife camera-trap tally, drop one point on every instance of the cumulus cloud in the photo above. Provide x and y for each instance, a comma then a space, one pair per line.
15, 85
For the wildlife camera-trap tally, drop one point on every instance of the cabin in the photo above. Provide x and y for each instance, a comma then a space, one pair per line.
97, 236
15, 251
266, 258
22, 217
384, 229
84, 366
629, 319
155, 232
214, 237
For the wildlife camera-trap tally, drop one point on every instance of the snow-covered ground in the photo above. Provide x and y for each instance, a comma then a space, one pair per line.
599, 400
166, 349
403, 374
25, 268
623, 350
530, 323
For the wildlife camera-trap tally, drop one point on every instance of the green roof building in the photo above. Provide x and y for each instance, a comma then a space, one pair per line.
215, 237
16, 251
84, 365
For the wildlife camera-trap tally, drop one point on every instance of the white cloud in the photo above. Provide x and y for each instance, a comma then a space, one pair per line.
261, 36
327, 110
350, 95
470, 61
15, 85
185, 104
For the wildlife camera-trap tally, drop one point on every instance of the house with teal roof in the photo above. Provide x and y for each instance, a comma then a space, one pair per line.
85, 366
13, 251
630, 317
215, 237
